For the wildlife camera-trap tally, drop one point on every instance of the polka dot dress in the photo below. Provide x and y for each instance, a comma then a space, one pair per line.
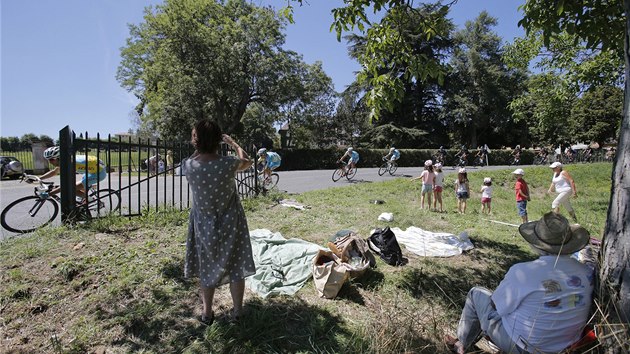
218, 249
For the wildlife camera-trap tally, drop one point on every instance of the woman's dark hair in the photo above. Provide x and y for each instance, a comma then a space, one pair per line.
208, 136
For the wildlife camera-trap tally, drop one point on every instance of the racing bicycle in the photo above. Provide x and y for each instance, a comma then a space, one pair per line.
387, 166
249, 186
344, 170
32, 212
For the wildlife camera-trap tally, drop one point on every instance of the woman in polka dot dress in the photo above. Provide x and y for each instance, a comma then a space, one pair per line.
218, 248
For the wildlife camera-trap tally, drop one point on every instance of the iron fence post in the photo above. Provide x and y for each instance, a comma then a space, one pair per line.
67, 173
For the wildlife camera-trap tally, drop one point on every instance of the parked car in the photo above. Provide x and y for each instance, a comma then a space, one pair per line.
10, 167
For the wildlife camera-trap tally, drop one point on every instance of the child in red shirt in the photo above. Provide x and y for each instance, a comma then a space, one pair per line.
522, 194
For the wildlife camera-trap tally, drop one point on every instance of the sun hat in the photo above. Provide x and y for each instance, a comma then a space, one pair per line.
428, 163
555, 164
438, 165
462, 170
518, 171
487, 180
553, 234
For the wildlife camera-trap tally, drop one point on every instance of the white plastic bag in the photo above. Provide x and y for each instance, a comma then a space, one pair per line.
389, 217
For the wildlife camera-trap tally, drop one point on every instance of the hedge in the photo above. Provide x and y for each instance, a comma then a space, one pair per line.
314, 159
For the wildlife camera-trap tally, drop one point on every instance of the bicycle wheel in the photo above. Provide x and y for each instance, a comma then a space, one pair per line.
247, 186
337, 174
351, 173
393, 168
382, 169
105, 201
272, 181
29, 214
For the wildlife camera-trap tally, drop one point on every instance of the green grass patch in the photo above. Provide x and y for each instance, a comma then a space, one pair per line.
117, 284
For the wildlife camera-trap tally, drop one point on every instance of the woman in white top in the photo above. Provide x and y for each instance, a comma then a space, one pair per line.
564, 185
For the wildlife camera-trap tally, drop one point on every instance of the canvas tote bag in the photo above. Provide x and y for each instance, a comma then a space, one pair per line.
328, 274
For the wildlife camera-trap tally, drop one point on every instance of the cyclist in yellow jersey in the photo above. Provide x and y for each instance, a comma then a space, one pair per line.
92, 168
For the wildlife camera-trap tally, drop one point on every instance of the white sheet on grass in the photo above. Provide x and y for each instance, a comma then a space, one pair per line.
282, 266
432, 244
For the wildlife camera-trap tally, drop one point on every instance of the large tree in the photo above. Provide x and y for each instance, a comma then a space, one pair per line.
604, 25
413, 119
480, 86
191, 59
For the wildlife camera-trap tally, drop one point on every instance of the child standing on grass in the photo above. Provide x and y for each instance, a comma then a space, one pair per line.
486, 195
462, 190
437, 187
522, 194
428, 180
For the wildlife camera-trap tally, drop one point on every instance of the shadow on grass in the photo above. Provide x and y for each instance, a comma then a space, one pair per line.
449, 283
282, 325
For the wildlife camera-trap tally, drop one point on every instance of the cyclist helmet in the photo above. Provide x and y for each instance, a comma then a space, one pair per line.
51, 153
262, 151
392, 149
350, 149
15, 166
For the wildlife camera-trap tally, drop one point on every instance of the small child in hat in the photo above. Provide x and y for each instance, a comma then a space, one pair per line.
486, 195
522, 194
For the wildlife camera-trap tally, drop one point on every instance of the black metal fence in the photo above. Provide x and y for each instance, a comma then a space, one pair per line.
145, 174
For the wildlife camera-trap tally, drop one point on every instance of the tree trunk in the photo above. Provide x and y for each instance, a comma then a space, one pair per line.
615, 271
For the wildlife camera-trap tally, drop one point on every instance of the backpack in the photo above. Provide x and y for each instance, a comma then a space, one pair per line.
383, 242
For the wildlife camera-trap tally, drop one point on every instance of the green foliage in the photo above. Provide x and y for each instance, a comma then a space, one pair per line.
596, 116
390, 58
382, 136
194, 59
480, 87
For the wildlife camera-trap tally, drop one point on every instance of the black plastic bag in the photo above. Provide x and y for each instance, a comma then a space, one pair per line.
383, 242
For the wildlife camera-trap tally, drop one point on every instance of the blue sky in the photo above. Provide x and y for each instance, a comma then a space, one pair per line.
58, 59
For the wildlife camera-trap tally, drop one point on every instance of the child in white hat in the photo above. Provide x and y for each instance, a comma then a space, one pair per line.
486, 195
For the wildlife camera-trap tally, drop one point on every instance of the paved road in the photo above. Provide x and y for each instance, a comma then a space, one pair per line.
293, 182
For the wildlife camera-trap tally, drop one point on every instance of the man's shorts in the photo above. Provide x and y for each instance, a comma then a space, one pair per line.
438, 189
462, 195
521, 206
427, 188
91, 178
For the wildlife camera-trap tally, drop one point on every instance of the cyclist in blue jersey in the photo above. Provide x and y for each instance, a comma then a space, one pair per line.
270, 160
353, 158
92, 169
393, 155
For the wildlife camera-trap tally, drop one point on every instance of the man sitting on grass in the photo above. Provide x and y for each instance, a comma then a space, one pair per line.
540, 306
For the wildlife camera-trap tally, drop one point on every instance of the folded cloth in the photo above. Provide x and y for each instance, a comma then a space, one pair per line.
282, 266
432, 244
389, 217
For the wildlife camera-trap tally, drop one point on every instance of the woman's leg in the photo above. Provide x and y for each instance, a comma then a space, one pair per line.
237, 290
207, 295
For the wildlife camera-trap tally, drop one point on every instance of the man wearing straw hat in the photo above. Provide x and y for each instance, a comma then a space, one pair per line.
540, 306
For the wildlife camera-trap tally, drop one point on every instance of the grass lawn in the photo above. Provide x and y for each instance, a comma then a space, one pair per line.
117, 285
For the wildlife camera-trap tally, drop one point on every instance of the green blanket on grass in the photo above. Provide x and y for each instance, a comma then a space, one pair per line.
282, 266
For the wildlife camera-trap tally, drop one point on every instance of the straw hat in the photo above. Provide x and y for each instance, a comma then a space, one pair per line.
553, 234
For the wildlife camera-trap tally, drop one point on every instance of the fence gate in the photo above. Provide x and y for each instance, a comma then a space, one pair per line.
143, 175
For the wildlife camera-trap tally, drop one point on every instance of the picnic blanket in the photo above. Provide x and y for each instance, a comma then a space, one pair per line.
432, 244
282, 266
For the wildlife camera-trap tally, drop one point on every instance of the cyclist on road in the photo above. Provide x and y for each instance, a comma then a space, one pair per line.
92, 169
441, 155
463, 156
353, 158
393, 155
482, 153
517, 155
270, 160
